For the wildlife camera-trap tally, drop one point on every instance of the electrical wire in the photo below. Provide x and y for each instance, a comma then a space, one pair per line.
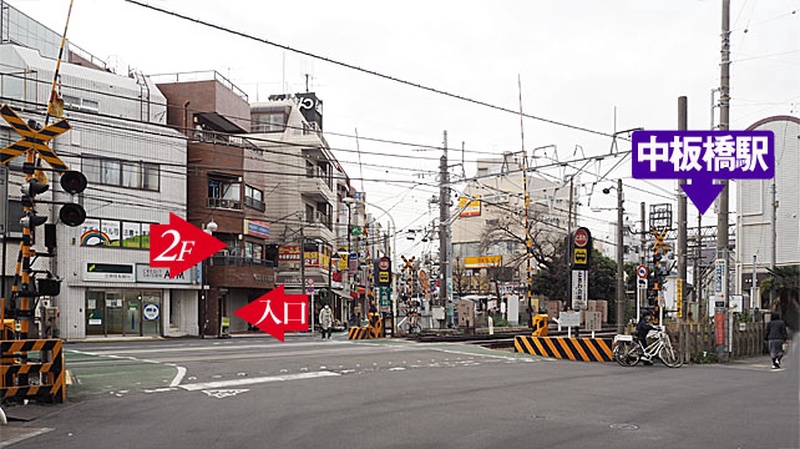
366, 71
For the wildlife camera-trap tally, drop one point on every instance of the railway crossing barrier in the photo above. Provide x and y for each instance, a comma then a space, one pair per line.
569, 348
369, 332
23, 376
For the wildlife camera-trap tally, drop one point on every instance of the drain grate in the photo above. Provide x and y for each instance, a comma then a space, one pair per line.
624, 426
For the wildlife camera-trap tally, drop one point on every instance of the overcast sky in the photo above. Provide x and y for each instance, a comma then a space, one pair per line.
578, 61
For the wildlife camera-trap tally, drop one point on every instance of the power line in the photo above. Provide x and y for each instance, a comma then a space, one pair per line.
367, 71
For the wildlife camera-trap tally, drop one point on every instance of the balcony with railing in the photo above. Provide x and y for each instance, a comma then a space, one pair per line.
226, 270
224, 203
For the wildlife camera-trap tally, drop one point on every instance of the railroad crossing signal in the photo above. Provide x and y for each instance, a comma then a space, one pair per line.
660, 246
33, 140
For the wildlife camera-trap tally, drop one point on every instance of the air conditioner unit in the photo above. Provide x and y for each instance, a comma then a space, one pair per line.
225, 203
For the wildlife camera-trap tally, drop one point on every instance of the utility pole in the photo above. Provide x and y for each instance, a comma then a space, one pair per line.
773, 237
722, 217
724, 124
527, 203
641, 293
682, 244
445, 268
702, 312
567, 261
620, 261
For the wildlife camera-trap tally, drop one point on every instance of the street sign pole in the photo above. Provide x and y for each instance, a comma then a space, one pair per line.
310, 290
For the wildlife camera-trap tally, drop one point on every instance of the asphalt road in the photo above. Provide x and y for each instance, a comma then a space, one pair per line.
306, 393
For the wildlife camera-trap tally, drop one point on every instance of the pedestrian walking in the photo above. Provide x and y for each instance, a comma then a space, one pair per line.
326, 321
775, 337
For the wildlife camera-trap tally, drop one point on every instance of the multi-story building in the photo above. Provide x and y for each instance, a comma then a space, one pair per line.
767, 225
306, 198
488, 234
136, 173
227, 183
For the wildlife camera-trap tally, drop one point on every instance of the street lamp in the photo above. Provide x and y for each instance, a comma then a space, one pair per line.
209, 229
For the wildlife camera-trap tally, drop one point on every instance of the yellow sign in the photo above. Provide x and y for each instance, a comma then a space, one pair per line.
580, 256
679, 297
483, 261
383, 276
469, 207
423, 278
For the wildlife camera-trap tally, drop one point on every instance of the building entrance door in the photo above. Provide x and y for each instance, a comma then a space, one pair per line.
113, 313
133, 317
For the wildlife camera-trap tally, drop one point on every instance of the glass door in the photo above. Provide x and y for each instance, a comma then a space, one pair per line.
133, 318
113, 312
151, 313
95, 308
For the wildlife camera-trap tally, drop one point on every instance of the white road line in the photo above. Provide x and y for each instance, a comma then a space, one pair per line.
490, 356
178, 377
256, 380
223, 348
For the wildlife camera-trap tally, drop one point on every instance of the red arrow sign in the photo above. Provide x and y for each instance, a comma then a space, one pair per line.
276, 313
180, 245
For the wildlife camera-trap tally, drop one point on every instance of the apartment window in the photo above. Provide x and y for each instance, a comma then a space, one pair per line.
253, 251
309, 214
254, 198
311, 169
134, 175
82, 104
224, 193
268, 122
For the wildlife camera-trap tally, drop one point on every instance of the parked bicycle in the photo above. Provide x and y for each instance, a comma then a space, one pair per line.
628, 350
412, 323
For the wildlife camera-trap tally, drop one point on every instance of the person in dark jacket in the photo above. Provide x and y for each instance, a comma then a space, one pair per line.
775, 337
644, 326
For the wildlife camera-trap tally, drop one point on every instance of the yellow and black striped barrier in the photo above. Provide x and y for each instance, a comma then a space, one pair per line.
373, 330
569, 348
22, 378
358, 333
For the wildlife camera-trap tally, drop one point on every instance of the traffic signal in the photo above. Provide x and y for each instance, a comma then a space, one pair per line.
73, 182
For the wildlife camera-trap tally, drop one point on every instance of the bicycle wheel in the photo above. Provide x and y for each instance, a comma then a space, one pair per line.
415, 329
670, 356
626, 353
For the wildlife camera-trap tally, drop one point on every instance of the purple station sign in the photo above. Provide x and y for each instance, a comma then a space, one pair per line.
702, 156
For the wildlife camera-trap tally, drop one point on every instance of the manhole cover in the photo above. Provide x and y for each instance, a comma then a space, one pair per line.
624, 426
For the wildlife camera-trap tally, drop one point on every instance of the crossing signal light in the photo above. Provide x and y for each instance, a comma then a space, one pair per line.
30, 189
73, 181
30, 220
72, 214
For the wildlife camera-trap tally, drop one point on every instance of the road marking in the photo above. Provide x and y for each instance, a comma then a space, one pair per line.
222, 394
178, 377
256, 380
18, 434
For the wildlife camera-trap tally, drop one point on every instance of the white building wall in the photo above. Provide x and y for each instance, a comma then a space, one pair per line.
95, 134
754, 206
